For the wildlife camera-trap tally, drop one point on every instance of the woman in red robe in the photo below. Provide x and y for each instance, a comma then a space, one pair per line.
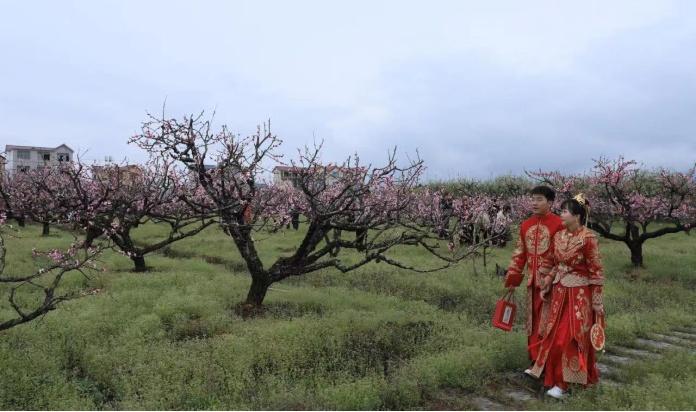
574, 285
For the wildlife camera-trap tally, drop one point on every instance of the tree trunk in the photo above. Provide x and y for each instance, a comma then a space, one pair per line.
92, 234
336, 238
260, 278
485, 266
20, 222
46, 229
257, 291
139, 262
360, 237
636, 253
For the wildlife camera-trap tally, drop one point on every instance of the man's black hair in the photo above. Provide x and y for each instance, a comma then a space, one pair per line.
545, 191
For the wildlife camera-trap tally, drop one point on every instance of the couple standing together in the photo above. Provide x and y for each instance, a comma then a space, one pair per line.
564, 291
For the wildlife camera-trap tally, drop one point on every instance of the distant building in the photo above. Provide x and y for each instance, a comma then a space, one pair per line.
24, 158
286, 174
293, 174
126, 172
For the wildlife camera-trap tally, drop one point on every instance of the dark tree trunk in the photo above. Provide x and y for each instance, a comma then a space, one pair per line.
257, 291
360, 237
636, 253
635, 244
252, 306
485, 266
125, 243
139, 262
20, 222
336, 238
46, 229
260, 280
92, 234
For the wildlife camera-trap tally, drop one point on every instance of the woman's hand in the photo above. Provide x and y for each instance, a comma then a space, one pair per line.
599, 317
546, 284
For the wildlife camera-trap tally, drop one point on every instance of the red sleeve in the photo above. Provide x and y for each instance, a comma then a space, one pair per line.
595, 269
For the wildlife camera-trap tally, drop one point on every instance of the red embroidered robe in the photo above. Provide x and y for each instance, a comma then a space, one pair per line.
565, 351
533, 243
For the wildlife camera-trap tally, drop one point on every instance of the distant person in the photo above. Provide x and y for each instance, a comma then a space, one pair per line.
295, 219
247, 214
446, 209
501, 226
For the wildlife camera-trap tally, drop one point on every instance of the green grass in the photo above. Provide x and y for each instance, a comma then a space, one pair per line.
375, 338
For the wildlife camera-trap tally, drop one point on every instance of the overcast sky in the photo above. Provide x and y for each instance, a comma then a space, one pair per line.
479, 88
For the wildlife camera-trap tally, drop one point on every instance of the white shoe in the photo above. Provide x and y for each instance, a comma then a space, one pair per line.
529, 372
556, 392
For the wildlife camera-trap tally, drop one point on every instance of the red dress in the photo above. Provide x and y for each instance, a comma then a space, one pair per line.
534, 243
565, 352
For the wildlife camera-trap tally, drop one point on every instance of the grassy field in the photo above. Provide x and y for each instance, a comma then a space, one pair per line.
376, 338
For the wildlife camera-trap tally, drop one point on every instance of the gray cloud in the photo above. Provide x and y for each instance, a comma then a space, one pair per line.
478, 89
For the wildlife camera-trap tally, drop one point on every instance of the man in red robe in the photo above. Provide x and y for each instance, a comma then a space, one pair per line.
534, 243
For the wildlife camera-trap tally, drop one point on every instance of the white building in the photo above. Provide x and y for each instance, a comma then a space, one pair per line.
293, 175
23, 158
286, 174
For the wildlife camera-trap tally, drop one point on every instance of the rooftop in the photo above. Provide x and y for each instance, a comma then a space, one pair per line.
328, 168
16, 147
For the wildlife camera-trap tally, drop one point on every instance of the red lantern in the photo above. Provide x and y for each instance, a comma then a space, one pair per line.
505, 309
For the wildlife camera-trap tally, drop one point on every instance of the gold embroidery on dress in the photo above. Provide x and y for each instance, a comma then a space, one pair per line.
572, 372
542, 235
574, 363
597, 299
567, 253
567, 245
582, 311
572, 280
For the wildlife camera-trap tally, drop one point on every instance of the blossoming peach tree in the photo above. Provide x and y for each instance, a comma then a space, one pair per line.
354, 214
113, 200
630, 204
32, 295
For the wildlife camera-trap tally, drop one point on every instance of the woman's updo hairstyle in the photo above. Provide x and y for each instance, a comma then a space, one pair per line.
576, 209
